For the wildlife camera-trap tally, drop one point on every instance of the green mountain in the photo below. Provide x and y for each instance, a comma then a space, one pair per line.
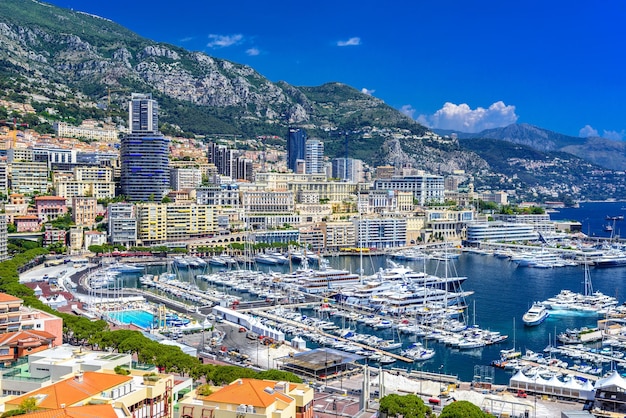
71, 66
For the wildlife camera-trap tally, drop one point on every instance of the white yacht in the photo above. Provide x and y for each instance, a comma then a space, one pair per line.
535, 315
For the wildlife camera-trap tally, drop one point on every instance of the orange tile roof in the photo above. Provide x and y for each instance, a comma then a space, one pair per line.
8, 298
49, 198
12, 337
248, 391
70, 391
85, 411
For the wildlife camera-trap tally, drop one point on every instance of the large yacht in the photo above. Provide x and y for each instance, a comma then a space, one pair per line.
535, 315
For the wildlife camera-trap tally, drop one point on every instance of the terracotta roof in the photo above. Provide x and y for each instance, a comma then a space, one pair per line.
26, 218
249, 391
49, 198
72, 391
8, 298
13, 337
85, 411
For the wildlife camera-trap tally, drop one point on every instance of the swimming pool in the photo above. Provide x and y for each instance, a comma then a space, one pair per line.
138, 317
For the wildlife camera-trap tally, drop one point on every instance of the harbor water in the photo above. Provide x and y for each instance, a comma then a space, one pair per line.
503, 292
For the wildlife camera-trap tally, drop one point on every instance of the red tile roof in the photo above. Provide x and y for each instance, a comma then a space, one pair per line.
71, 391
249, 391
8, 298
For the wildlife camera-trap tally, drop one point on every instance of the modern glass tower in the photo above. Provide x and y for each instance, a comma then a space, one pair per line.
144, 153
296, 146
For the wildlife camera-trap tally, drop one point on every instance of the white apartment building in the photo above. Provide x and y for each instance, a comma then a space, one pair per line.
122, 224
380, 232
185, 178
426, 188
540, 222
87, 130
314, 156
268, 202
500, 232
27, 177
340, 235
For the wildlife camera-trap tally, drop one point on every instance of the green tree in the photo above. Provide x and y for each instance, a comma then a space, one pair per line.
462, 409
409, 406
28, 405
278, 375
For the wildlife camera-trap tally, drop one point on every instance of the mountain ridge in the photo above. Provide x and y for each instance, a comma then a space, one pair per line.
71, 65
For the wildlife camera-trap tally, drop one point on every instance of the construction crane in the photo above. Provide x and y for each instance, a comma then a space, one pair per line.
13, 133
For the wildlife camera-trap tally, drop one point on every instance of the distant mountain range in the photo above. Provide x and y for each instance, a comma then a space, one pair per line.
603, 152
71, 66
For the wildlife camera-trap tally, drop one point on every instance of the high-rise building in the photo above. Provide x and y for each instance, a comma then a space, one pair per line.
296, 145
348, 169
314, 156
144, 153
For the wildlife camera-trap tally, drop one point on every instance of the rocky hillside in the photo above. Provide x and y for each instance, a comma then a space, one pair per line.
70, 66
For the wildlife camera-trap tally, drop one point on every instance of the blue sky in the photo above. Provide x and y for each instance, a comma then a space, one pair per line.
464, 65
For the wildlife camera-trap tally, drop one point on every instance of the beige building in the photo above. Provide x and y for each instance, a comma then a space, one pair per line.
340, 235
84, 210
28, 177
251, 398
96, 182
89, 129
158, 223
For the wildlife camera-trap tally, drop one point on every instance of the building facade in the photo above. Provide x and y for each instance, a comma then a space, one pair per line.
296, 146
122, 224
144, 153
426, 188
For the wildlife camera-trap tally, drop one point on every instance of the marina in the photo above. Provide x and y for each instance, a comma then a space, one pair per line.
479, 335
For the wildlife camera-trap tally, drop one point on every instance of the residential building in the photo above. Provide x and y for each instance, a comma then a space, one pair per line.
19, 154
84, 210
14, 316
385, 172
69, 188
144, 153
348, 169
314, 156
340, 234
50, 208
313, 237
426, 188
296, 145
55, 156
380, 232
122, 224
54, 235
76, 239
3, 237
540, 222
27, 223
96, 238
89, 129
500, 232
185, 178
251, 397
18, 344
28, 177
4, 179
219, 195
280, 236
158, 223
132, 395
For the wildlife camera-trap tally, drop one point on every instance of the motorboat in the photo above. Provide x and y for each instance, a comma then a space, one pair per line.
535, 315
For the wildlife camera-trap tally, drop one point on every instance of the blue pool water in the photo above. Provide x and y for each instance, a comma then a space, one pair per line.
142, 319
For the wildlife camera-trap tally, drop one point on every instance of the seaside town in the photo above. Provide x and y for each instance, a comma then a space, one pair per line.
189, 222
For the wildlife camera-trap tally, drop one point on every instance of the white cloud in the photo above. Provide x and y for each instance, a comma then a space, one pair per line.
355, 41
587, 131
408, 110
367, 91
187, 39
614, 135
223, 41
465, 119
253, 52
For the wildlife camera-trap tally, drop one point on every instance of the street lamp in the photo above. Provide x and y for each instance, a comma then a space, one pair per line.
440, 379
